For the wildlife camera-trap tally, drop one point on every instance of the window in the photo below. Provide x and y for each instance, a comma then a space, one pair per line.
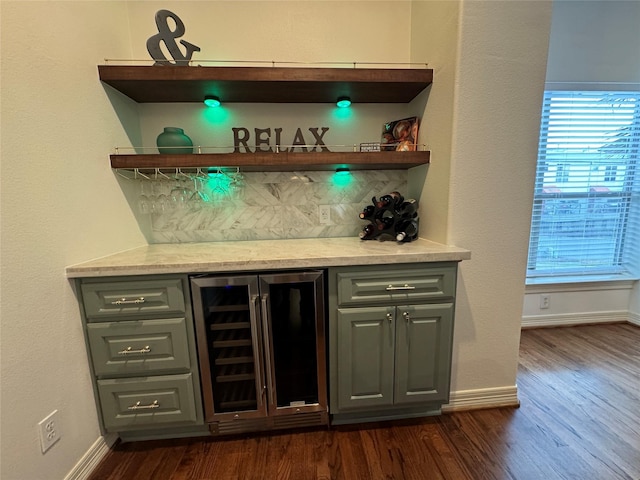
586, 209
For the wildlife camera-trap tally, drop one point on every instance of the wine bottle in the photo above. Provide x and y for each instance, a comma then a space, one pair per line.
408, 209
397, 198
367, 232
384, 222
407, 231
385, 201
367, 212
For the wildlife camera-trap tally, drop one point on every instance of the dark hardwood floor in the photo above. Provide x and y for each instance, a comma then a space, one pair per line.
579, 418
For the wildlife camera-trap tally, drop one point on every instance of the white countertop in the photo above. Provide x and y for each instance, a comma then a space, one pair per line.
264, 255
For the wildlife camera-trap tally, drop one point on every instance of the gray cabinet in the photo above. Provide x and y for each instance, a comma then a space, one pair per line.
390, 333
142, 352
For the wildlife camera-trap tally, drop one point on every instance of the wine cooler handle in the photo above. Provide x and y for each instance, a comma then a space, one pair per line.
267, 352
260, 385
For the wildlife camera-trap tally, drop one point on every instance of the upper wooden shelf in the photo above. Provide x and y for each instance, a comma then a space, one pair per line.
160, 84
268, 161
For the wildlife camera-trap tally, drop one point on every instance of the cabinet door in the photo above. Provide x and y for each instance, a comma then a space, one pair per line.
139, 347
105, 301
423, 353
365, 357
132, 403
229, 346
364, 286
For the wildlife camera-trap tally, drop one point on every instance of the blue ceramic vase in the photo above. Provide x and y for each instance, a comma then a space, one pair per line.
174, 140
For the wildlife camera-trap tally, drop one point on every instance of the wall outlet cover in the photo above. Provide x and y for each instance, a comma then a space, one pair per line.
49, 430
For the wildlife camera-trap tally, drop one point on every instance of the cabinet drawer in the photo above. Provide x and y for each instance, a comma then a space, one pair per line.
147, 401
383, 286
126, 298
138, 347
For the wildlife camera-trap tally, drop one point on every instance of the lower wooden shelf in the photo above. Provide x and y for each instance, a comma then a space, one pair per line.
269, 161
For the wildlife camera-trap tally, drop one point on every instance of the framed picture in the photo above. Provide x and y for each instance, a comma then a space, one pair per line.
400, 135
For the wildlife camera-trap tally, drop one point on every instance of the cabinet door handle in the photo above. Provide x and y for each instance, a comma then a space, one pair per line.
126, 301
406, 286
151, 406
407, 319
390, 318
130, 351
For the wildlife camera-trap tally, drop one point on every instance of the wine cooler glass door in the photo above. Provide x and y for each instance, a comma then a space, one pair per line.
293, 325
229, 344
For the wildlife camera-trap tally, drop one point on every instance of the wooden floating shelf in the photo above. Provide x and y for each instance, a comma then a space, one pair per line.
276, 162
146, 84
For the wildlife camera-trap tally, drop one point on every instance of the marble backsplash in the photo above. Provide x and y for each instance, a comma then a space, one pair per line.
262, 205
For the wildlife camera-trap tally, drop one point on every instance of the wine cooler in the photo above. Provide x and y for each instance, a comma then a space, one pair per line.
261, 347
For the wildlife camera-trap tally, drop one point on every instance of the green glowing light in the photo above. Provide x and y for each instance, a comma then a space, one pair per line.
211, 101
216, 116
343, 102
342, 177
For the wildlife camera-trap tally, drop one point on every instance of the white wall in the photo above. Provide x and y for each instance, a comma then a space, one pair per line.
594, 41
61, 204
634, 305
577, 303
500, 75
434, 39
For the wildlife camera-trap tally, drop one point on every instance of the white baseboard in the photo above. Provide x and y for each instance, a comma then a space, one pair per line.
634, 318
482, 398
90, 460
531, 321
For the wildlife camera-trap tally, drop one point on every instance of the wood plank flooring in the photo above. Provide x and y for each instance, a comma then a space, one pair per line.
579, 418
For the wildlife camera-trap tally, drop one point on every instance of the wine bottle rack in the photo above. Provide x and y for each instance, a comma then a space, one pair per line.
231, 349
387, 217
234, 372
232, 321
233, 355
231, 338
237, 396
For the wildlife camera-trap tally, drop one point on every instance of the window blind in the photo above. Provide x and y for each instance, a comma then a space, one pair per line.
586, 210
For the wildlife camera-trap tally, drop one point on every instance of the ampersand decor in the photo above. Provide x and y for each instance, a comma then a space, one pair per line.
168, 36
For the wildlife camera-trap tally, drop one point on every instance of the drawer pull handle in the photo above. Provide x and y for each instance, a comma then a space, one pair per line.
405, 287
124, 301
151, 406
129, 351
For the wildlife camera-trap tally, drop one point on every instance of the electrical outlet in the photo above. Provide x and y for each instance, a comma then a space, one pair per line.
545, 300
49, 429
325, 214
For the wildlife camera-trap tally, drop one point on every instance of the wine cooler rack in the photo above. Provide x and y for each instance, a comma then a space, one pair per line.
232, 357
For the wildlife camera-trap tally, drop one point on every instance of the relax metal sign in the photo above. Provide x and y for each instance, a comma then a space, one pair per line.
262, 140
